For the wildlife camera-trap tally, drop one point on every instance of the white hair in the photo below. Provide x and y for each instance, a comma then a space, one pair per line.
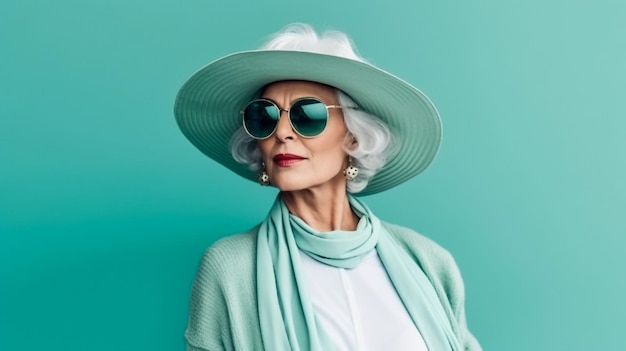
374, 139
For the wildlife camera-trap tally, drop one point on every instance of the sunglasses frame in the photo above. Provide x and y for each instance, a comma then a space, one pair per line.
280, 113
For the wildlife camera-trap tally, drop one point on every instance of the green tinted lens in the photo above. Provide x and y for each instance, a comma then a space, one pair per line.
260, 118
308, 117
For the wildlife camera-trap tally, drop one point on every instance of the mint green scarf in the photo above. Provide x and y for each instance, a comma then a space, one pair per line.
285, 309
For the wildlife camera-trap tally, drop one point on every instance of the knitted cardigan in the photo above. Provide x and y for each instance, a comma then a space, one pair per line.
223, 313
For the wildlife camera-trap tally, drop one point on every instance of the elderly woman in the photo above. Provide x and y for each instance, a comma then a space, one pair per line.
307, 115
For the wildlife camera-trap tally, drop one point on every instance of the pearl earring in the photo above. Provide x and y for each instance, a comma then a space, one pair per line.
351, 171
264, 178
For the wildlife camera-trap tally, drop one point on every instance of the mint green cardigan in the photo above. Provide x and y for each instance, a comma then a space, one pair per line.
223, 313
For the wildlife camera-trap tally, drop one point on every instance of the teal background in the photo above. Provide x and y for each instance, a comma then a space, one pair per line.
105, 208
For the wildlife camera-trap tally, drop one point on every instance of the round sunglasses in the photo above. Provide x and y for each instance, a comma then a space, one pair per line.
308, 117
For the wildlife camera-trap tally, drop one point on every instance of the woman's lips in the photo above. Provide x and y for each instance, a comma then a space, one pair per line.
286, 160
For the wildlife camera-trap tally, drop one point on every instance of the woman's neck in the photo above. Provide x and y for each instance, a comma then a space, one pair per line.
322, 209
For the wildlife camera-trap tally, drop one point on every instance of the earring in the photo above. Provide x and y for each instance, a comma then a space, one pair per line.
350, 172
264, 178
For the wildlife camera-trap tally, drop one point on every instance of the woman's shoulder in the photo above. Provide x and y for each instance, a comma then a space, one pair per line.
436, 261
231, 254
414, 241
236, 245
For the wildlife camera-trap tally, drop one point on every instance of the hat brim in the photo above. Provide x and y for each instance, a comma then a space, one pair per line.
208, 106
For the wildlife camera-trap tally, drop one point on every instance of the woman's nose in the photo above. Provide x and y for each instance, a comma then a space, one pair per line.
284, 131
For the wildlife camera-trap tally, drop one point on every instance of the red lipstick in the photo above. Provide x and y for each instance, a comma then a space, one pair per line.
286, 160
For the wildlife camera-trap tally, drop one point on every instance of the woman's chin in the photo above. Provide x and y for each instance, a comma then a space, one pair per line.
290, 186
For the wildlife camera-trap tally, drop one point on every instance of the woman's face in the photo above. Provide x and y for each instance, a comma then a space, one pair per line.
296, 163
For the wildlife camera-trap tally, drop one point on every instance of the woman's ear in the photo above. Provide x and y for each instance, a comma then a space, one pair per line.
351, 142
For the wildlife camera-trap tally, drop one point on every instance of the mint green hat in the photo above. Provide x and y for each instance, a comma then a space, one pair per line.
208, 106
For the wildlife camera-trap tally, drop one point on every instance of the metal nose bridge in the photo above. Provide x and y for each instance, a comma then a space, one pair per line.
280, 116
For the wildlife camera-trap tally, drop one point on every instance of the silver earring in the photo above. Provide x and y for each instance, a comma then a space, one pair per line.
350, 172
264, 178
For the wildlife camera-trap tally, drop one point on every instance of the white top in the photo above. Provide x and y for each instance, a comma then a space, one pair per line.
359, 308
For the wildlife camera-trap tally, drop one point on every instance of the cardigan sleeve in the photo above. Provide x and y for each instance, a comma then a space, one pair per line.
445, 276
207, 327
454, 288
223, 312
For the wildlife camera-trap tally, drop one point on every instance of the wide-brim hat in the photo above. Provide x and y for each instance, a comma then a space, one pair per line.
208, 106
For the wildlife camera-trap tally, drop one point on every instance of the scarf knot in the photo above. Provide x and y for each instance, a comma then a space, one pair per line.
338, 248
